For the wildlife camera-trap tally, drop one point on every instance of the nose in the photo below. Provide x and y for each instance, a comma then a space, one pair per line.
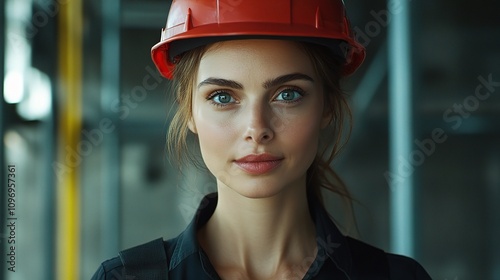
258, 128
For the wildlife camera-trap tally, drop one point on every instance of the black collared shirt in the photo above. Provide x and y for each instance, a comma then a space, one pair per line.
334, 259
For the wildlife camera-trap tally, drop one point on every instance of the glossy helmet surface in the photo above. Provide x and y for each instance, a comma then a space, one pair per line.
193, 23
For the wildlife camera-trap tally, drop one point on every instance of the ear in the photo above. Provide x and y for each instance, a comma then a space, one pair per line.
192, 126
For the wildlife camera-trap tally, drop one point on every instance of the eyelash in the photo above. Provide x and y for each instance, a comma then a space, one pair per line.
221, 105
216, 93
301, 92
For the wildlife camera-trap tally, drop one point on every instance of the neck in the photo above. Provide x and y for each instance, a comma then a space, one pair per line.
260, 235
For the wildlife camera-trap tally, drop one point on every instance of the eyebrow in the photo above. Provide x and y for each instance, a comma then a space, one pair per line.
221, 82
267, 84
286, 78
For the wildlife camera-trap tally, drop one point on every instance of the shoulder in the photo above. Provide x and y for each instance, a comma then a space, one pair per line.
144, 255
368, 258
402, 267
110, 269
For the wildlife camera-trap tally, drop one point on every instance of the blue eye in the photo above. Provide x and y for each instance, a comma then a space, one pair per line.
221, 98
289, 95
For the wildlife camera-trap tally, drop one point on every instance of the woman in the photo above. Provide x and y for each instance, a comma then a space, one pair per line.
257, 84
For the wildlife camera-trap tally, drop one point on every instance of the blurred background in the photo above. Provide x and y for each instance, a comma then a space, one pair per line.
84, 116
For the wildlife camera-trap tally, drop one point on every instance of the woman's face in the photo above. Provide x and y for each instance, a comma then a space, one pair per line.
258, 112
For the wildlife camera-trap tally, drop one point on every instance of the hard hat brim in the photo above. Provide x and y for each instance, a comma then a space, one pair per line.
341, 44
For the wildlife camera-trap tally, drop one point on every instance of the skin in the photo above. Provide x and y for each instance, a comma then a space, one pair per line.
261, 228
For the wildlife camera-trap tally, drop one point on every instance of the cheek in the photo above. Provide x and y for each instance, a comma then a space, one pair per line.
215, 133
302, 125
299, 140
304, 136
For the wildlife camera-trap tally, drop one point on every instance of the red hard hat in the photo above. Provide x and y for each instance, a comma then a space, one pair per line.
192, 23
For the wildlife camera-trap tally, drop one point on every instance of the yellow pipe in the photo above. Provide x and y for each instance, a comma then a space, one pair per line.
70, 122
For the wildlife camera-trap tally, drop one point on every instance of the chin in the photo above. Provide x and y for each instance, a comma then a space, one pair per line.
260, 188
256, 192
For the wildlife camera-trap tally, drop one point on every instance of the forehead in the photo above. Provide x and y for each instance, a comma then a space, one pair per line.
254, 59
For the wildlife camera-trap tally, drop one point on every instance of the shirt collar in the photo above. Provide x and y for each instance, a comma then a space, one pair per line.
331, 243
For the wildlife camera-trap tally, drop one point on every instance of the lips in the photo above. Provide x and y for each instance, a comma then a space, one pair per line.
258, 164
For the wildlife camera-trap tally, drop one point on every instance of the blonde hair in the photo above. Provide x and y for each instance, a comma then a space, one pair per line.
320, 174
